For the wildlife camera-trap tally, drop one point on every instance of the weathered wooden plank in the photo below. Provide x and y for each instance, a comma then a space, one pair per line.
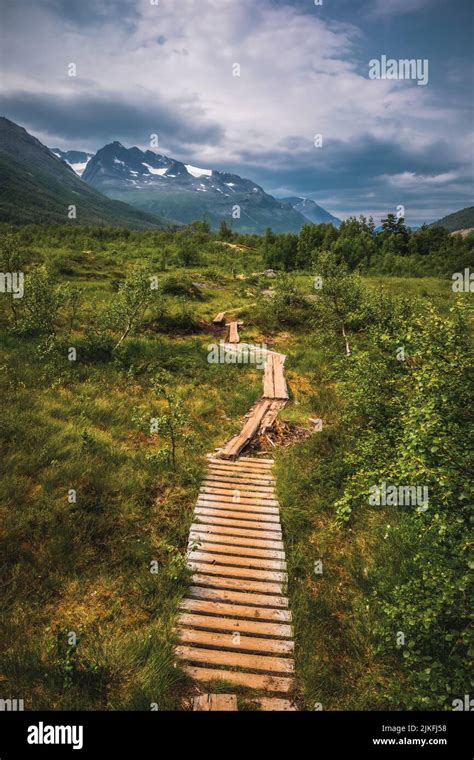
238, 525
274, 383
234, 571
245, 464
229, 609
264, 663
233, 448
215, 703
219, 318
215, 535
237, 560
214, 549
237, 496
225, 510
239, 597
266, 538
239, 506
275, 704
276, 630
229, 485
260, 460
232, 477
207, 580
235, 641
249, 680
233, 336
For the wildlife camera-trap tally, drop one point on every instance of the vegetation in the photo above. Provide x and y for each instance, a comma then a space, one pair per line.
110, 407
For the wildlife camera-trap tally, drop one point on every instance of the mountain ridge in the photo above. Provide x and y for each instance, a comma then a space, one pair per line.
39, 187
183, 192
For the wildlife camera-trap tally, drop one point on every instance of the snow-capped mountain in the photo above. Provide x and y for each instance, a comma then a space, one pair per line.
311, 211
77, 159
115, 165
182, 192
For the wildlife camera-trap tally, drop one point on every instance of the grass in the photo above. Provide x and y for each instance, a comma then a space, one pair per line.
82, 564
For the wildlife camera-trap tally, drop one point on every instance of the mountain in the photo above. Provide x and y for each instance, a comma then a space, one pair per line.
38, 187
460, 220
77, 159
182, 192
311, 211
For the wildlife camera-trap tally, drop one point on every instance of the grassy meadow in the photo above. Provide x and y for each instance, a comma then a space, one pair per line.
95, 516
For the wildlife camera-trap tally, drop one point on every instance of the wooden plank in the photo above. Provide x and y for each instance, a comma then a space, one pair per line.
229, 485
235, 641
219, 318
215, 703
239, 525
238, 597
245, 464
248, 680
276, 630
275, 704
274, 383
224, 510
227, 470
244, 542
234, 336
233, 448
233, 571
239, 561
242, 481
264, 538
221, 609
235, 584
257, 459
264, 663
244, 552
236, 506
237, 496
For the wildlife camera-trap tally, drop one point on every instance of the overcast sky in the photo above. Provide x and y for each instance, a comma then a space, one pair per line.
167, 69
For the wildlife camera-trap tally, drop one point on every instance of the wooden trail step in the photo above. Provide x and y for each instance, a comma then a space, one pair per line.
215, 549
249, 627
234, 625
235, 641
266, 683
234, 336
215, 702
233, 559
262, 663
260, 614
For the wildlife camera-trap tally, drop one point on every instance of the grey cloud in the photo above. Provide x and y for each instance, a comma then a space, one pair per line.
102, 117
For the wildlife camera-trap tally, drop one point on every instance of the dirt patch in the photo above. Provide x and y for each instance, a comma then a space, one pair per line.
281, 435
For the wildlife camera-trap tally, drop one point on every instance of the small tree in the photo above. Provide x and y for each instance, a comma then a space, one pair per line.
134, 297
42, 302
338, 297
174, 421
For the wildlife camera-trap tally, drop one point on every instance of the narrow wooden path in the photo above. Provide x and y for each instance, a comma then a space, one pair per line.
234, 625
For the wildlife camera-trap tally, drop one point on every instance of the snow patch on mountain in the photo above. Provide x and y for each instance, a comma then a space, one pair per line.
195, 171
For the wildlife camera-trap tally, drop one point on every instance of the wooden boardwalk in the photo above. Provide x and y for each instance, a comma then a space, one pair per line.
234, 625
235, 622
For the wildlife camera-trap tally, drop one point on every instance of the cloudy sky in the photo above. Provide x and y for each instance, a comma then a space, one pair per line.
167, 69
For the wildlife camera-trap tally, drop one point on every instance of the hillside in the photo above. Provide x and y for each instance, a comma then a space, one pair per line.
460, 220
312, 211
38, 187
